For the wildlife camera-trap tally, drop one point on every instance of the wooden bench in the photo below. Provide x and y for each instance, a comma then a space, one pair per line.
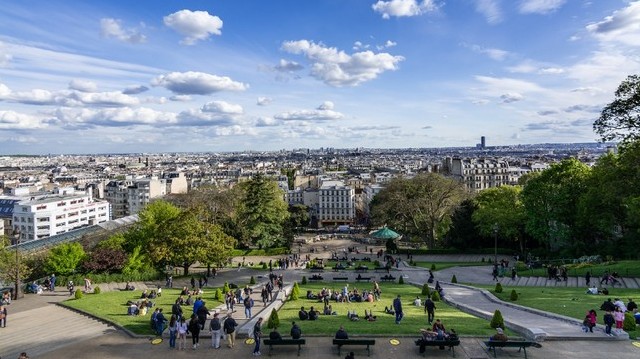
362, 269
363, 279
521, 345
271, 343
315, 278
339, 268
440, 343
389, 278
316, 269
340, 279
367, 342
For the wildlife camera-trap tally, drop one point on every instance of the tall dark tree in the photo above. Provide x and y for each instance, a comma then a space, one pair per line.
420, 207
463, 232
620, 120
500, 209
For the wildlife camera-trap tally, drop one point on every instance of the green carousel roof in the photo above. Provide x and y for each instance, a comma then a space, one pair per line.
384, 233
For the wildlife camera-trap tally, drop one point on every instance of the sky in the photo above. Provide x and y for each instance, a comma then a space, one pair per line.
235, 75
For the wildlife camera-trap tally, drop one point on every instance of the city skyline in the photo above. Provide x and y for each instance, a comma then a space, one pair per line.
207, 76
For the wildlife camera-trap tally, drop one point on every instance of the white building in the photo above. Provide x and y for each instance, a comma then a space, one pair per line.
368, 194
336, 204
479, 174
130, 196
47, 216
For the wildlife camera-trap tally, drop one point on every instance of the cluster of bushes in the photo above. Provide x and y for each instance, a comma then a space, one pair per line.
277, 251
78, 279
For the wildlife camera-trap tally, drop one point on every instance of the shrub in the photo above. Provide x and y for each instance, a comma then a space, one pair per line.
304, 280
78, 294
273, 321
225, 287
96, 290
498, 288
295, 291
629, 323
252, 280
482, 260
497, 321
401, 280
454, 279
218, 295
435, 296
514, 295
425, 289
264, 266
433, 266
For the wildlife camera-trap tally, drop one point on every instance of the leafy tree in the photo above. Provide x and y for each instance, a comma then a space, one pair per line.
620, 120
64, 258
425, 289
274, 321
155, 215
498, 288
497, 321
116, 241
420, 207
502, 209
463, 232
435, 296
262, 212
8, 263
299, 216
137, 262
295, 291
105, 260
551, 203
185, 240
514, 295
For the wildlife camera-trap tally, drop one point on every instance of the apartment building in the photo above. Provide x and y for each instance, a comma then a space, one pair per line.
336, 204
130, 196
49, 215
369, 192
479, 174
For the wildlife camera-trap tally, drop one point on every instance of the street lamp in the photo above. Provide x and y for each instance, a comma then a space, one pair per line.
496, 228
17, 293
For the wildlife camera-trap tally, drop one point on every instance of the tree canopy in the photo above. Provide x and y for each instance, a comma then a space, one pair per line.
500, 208
65, 258
620, 120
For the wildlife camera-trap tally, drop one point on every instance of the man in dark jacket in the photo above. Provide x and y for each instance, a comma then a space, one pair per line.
397, 307
176, 309
203, 313
608, 306
229, 327
430, 309
341, 333
296, 332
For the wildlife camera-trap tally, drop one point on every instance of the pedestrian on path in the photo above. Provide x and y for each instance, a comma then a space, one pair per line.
3, 316
608, 322
194, 329
257, 334
430, 309
182, 334
397, 307
173, 331
587, 278
216, 330
229, 327
248, 304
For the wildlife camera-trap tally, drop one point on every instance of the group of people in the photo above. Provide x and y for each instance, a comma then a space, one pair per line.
436, 332
614, 315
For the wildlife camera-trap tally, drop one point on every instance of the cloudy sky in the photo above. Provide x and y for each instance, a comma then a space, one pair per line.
230, 75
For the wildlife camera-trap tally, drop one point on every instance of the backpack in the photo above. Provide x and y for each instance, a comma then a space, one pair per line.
215, 324
228, 326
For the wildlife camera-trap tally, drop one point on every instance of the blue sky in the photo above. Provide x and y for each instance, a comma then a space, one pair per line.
233, 75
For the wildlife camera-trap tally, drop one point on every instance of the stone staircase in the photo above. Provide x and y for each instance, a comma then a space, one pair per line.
628, 282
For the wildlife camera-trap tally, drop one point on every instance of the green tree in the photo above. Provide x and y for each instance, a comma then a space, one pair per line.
137, 262
274, 321
551, 203
149, 226
463, 232
299, 217
9, 267
419, 207
65, 258
295, 291
620, 120
262, 212
497, 321
500, 208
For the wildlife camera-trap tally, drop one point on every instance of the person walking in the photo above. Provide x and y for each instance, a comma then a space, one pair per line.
587, 278
248, 303
618, 316
229, 327
173, 331
257, 334
215, 327
397, 307
182, 334
3, 316
608, 322
430, 309
194, 329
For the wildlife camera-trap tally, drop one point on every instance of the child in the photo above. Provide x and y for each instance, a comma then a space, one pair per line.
618, 315
608, 322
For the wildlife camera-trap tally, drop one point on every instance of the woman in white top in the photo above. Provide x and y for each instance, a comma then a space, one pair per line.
182, 334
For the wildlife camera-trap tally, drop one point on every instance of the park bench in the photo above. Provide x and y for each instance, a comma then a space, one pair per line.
363, 279
520, 344
387, 278
367, 342
362, 269
339, 268
451, 343
317, 269
271, 343
316, 278
340, 279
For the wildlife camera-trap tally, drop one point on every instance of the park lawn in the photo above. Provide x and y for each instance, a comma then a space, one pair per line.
112, 307
628, 268
414, 317
571, 302
445, 265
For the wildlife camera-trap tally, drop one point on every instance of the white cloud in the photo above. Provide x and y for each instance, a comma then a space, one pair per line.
180, 98
11, 120
222, 107
197, 83
194, 25
622, 26
288, 66
401, 8
551, 71
324, 112
111, 28
67, 98
113, 98
490, 9
511, 97
5, 57
499, 86
540, 6
266, 122
336, 68
264, 101
83, 85
112, 117
493, 53
135, 89
198, 117
480, 102
386, 45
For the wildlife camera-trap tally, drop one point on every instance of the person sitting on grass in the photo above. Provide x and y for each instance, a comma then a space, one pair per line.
313, 314
327, 310
353, 316
303, 314
417, 302
368, 316
296, 332
389, 310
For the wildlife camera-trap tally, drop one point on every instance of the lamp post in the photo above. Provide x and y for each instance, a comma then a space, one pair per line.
17, 293
496, 228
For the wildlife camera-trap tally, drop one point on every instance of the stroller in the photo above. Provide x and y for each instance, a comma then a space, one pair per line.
70, 287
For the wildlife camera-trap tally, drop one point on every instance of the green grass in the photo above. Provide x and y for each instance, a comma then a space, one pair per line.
571, 302
445, 265
112, 306
624, 268
414, 317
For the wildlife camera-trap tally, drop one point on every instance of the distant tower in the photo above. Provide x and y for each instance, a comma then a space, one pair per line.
482, 142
